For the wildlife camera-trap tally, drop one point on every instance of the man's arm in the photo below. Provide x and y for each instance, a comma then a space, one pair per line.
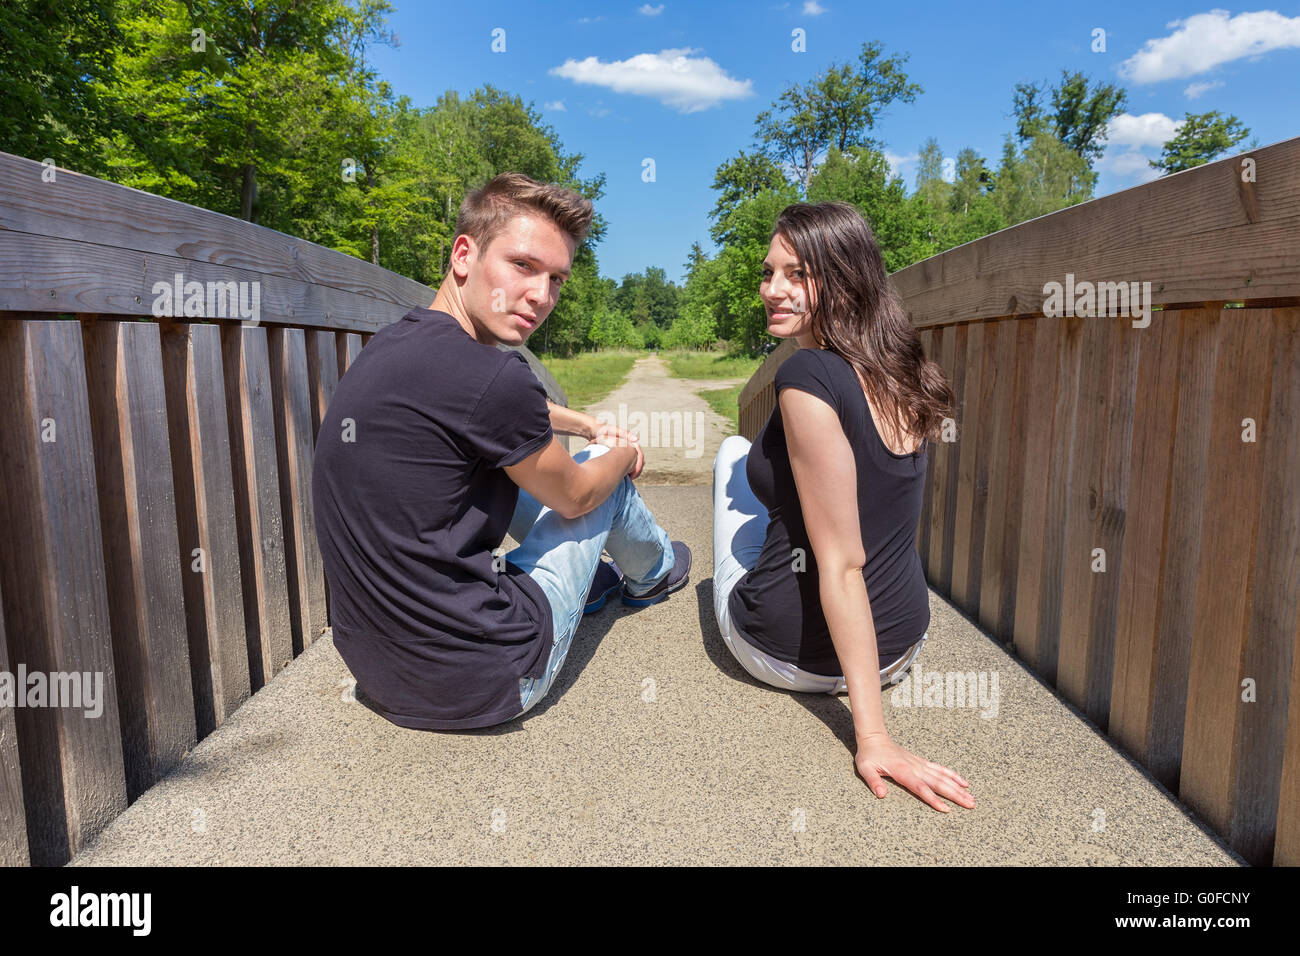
552, 476
567, 421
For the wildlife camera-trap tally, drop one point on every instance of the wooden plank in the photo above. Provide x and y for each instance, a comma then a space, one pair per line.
1188, 474
766, 372
291, 402
1020, 404
206, 526
13, 816
1146, 521
1274, 607
1108, 512
1206, 237
322, 376
969, 528
941, 534
52, 579
998, 452
1042, 650
323, 379
124, 222
1286, 850
257, 501
1042, 399
1234, 479
1087, 457
926, 340
348, 346
137, 511
86, 277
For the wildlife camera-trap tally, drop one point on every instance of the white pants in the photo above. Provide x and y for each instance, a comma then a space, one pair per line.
739, 530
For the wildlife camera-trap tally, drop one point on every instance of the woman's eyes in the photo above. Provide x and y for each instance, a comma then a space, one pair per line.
798, 273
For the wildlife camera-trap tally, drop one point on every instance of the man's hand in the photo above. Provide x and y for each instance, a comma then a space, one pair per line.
879, 756
614, 437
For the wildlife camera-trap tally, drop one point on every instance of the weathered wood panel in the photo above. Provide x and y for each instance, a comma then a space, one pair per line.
1188, 474
100, 245
1033, 505
952, 351
1186, 229
968, 530
322, 376
349, 347
13, 817
1234, 474
998, 452
291, 399
137, 513
1258, 785
1146, 523
257, 501
52, 585
927, 501
206, 524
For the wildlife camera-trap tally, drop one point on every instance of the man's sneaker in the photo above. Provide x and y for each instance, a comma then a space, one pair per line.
608, 580
675, 581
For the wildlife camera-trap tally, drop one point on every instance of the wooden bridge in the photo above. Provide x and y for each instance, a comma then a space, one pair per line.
155, 476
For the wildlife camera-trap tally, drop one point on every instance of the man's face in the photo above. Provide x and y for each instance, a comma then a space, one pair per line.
513, 284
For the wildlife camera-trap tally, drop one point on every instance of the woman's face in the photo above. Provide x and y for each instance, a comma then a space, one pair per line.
787, 293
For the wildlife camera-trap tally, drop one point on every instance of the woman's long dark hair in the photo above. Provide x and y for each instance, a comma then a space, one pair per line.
858, 315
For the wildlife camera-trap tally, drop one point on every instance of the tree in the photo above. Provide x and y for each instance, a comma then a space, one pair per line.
1200, 138
1045, 177
1078, 116
739, 179
836, 109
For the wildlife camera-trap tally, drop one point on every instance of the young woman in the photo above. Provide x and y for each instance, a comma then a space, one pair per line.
818, 586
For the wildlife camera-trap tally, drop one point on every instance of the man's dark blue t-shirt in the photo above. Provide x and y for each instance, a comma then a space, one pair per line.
410, 501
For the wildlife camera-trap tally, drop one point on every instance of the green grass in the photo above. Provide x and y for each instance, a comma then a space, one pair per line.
685, 364
589, 377
725, 401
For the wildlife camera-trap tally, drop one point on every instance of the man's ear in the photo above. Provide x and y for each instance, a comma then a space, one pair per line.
464, 252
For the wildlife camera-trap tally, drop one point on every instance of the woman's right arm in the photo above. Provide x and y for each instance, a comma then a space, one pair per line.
825, 476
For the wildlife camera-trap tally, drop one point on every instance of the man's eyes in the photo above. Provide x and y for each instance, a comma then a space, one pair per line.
525, 266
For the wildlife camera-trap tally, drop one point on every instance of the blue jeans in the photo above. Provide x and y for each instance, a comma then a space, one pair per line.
561, 555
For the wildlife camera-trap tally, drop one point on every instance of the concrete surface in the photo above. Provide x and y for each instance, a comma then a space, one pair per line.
714, 769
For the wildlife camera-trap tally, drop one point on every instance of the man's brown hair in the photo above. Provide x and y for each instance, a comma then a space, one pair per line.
485, 211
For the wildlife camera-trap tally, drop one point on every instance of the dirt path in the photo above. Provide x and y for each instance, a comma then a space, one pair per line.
679, 431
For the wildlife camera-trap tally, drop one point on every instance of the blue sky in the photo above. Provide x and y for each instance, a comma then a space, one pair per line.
681, 83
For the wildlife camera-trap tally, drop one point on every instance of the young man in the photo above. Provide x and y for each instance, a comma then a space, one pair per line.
435, 443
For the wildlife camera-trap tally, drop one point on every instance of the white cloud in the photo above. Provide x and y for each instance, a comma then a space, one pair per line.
648, 11
1205, 40
1149, 129
591, 19
556, 106
685, 83
812, 8
897, 161
1136, 139
1196, 89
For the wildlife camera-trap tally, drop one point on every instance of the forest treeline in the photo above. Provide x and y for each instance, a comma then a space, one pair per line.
272, 113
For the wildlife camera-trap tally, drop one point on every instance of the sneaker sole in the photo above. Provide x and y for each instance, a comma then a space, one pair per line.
647, 601
594, 606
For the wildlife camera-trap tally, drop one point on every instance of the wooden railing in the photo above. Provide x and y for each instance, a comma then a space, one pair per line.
1166, 455
156, 475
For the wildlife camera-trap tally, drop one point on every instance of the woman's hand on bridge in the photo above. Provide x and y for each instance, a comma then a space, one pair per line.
879, 756
615, 437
